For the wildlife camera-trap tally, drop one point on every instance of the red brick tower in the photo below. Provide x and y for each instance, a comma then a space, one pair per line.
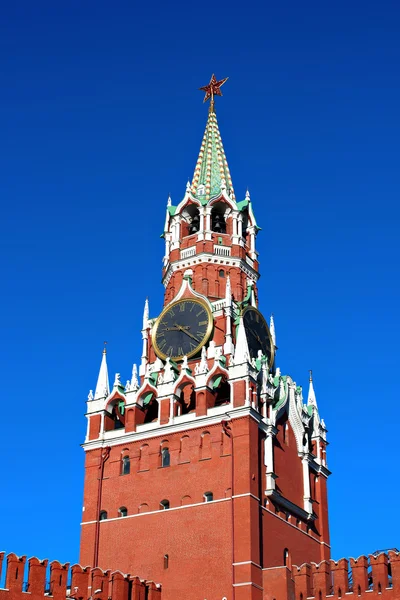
207, 469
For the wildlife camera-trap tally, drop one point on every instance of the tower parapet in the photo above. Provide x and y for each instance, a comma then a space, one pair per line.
367, 577
77, 582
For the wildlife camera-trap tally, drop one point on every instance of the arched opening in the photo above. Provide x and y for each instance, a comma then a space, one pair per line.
187, 401
164, 505
103, 515
123, 511
126, 465
208, 497
245, 224
190, 223
166, 561
218, 223
165, 457
286, 559
221, 273
222, 391
151, 411
115, 415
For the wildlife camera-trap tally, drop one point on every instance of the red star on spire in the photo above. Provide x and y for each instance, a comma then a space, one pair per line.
213, 89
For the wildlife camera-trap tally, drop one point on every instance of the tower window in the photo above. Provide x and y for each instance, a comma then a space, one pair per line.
126, 465
221, 273
208, 497
123, 512
103, 515
165, 457
166, 561
164, 505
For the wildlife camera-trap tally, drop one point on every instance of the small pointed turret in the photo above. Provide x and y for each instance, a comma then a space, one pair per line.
169, 201
103, 386
146, 314
311, 400
242, 353
272, 329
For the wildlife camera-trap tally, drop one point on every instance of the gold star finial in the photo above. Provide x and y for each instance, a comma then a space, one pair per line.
213, 89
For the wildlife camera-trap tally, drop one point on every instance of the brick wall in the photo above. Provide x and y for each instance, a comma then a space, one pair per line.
44, 581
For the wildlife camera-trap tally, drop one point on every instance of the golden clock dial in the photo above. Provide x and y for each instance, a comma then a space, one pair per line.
182, 329
258, 334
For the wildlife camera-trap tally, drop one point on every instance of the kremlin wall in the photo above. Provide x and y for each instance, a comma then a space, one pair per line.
373, 578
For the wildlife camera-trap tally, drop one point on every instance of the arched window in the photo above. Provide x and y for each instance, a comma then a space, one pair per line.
166, 561
164, 505
122, 511
221, 273
218, 223
126, 465
286, 559
208, 497
103, 515
165, 458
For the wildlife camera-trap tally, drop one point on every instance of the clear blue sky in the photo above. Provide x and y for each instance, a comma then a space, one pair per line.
101, 118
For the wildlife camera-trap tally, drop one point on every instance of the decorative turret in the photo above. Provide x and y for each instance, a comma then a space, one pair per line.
103, 385
311, 399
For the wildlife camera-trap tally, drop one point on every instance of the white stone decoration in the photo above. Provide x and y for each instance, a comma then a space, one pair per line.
103, 386
90, 395
134, 379
272, 329
242, 353
117, 380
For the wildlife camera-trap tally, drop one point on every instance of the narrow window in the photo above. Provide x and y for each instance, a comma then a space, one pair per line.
123, 512
164, 504
208, 497
103, 515
126, 465
165, 458
222, 273
166, 560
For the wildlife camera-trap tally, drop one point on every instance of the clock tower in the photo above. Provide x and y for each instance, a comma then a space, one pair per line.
207, 468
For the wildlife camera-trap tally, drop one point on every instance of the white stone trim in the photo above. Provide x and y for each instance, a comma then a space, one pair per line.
246, 494
248, 583
152, 430
246, 562
206, 257
160, 510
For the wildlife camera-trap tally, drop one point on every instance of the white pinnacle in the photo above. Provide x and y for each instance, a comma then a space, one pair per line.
146, 314
169, 201
242, 353
134, 380
103, 386
228, 292
311, 400
272, 329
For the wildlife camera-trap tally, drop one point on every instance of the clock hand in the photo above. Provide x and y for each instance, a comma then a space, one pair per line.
182, 328
177, 328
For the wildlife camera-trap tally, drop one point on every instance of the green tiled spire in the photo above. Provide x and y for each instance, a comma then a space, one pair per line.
211, 174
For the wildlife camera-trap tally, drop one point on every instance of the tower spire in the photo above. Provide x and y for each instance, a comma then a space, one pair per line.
212, 174
311, 400
103, 386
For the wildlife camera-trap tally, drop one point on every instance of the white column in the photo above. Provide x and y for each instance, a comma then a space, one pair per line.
240, 225
269, 458
171, 409
307, 489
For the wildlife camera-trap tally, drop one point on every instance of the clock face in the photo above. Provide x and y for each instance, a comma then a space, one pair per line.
258, 335
182, 329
